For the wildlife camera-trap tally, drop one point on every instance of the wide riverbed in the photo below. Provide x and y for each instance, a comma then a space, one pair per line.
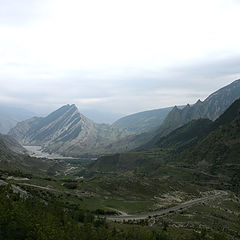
36, 151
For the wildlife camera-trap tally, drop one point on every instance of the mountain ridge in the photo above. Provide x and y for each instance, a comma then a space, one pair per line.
211, 108
66, 131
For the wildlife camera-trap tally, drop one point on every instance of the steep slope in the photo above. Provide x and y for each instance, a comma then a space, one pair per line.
68, 132
185, 136
222, 144
194, 131
10, 116
142, 121
212, 107
12, 144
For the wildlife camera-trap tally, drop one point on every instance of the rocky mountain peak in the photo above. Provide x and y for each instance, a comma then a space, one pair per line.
175, 109
66, 131
187, 107
199, 102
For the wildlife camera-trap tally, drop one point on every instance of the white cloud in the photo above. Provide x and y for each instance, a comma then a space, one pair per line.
116, 54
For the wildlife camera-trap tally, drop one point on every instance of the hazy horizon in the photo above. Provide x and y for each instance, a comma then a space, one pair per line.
116, 58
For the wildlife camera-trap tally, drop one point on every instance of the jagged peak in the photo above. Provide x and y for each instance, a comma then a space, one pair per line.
174, 110
198, 102
74, 108
186, 107
67, 107
73, 105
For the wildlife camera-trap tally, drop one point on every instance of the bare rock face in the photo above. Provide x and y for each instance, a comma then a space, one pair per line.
66, 131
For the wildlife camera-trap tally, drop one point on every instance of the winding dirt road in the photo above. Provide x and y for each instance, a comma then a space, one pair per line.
165, 211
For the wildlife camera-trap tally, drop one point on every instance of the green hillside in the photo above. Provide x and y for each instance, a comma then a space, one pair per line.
220, 147
185, 136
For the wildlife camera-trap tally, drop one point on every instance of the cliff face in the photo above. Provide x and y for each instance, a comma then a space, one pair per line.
66, 131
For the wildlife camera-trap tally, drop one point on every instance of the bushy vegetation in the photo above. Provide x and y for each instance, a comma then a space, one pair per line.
31, 219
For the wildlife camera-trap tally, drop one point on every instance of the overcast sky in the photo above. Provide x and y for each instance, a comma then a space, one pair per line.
120, 56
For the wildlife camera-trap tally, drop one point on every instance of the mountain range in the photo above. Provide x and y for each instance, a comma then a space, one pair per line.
70, 133
211, 108
213, 146
193, 157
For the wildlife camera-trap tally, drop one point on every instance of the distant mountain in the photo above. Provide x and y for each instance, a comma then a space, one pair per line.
10, 116
143, 121
212, 107
68, 132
